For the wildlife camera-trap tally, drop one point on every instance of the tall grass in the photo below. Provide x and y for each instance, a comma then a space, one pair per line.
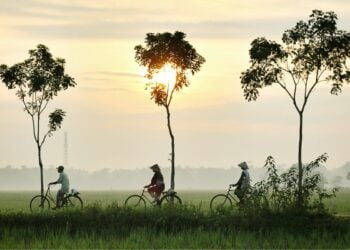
171, 227
109, 225
143, 238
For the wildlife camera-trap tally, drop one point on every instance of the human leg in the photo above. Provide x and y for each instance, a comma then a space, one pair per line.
59, 198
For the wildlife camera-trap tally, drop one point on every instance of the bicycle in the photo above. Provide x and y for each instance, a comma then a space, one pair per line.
230, 200
70, 200
168, 197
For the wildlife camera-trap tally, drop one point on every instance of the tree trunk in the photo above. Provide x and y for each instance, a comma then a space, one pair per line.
300, 164
172, 183
41, 172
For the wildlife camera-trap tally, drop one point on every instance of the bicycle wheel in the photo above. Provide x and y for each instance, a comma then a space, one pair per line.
73, 202
39, 203
220, 201
135, 201
170, 199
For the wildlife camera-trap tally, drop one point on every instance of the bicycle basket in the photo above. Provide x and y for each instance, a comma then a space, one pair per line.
74, 191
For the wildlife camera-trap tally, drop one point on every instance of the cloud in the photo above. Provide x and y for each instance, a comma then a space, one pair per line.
98, 89
115, 74
111, 30
115, 19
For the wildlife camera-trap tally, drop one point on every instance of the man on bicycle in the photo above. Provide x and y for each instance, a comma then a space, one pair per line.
157, 185
243, 184
64, 181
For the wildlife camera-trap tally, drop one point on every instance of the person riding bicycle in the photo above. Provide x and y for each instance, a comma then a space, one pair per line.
157, 186
243, 183
64, 181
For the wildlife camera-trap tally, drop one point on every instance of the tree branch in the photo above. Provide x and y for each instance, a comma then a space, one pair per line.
34, 133
290, 95
171, 96
45, 105
312, 87
305, 89
44, 138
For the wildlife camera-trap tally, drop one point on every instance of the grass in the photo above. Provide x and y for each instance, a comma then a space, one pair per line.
170, 227
105, 223
19, 200
141, 239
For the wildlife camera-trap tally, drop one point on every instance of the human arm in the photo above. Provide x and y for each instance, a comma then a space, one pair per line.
58, 181
153, 181
239, 182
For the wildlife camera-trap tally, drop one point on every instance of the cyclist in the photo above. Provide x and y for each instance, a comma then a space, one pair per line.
157, 186
64, 181
243, 183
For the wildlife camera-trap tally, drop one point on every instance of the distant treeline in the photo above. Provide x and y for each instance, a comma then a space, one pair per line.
26, 178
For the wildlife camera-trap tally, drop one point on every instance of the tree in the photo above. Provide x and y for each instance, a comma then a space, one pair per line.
313, 52
164, 51
37, 80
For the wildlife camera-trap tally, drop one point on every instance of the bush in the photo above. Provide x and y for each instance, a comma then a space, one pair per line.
281, 190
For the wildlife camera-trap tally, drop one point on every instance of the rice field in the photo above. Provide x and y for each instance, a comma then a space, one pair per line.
105, 223
19, 200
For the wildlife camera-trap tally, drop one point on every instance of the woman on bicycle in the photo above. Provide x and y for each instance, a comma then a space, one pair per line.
243, 184
157, 186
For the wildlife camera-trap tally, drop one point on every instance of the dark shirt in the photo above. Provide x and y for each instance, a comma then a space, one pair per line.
239, 183
157, 177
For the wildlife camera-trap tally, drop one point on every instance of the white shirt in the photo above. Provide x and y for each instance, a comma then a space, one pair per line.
64, 181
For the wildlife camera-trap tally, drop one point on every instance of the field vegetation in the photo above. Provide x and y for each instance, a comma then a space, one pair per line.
106, 223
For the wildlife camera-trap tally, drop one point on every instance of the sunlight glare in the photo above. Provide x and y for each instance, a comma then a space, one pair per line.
166, 75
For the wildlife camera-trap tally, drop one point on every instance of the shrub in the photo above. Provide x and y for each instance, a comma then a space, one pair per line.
281, 190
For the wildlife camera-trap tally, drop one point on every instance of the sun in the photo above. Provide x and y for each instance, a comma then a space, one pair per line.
166, 75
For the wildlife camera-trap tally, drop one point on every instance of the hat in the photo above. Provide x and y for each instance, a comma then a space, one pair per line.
60, 168
155, 167
243, 165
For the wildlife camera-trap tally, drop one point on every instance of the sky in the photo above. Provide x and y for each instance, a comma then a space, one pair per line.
111, 121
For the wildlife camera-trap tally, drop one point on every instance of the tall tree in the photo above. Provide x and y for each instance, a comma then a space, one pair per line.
313, 52
164, 50
37, 80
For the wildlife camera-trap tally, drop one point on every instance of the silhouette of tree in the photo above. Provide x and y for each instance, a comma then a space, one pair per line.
168, 49
37, 80
313, 52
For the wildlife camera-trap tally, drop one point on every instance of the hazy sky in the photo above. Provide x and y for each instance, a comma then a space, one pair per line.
111, 121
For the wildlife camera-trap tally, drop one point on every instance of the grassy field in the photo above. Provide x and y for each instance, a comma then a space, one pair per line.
106, 224
19, 200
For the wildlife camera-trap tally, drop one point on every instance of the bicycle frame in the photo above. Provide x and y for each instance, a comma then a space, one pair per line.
48, 196
230, 195
143, 195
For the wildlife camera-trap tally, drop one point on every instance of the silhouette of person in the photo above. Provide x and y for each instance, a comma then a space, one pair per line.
243, 183
157, 186
64, 181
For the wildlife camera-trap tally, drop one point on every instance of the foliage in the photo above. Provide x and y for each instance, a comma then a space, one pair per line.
312, 52
282, 189
173, 49
166, 49
37, 80
122, 220
312, 47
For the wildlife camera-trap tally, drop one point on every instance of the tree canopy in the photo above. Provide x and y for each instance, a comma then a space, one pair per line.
315, 48
312, 52
172, 49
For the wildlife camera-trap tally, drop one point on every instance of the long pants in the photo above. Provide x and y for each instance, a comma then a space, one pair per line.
59, 198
